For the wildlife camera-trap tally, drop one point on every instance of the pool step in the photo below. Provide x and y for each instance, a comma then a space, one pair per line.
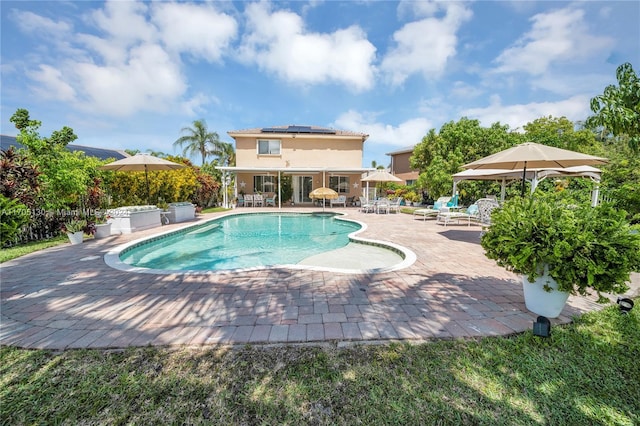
202, 230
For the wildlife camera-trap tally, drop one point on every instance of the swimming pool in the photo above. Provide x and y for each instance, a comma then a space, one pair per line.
243, 241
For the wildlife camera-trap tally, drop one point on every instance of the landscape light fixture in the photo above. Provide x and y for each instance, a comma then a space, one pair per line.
625, 304
542, 327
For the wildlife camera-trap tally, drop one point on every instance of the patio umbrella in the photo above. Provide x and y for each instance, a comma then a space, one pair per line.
379, 176
142, 162
324, 193
534, 155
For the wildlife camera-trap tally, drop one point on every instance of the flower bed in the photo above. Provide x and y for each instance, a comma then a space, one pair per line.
128, 219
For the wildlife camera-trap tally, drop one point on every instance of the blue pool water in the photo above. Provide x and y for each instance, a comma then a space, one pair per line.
243, 241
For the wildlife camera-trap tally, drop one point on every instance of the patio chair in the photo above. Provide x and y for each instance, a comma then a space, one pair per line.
382, 205
271, 201
433, 210
395, 206
485, 207
248, 200
240, 202
366, 206
342, 199
258, 201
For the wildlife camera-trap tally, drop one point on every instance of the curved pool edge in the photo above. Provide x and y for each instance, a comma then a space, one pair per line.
112, 257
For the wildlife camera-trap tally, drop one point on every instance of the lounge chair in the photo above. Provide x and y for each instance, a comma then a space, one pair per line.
447, 216
433, 210
248, 200
342, 199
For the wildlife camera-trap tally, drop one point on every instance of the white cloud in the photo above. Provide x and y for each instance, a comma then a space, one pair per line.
52, 79
425, 46
197, 29
278, 42
31, 23
557, 36
407, 133
131, 61
465, 90
570, 84
516, 116
125, 23
149, 80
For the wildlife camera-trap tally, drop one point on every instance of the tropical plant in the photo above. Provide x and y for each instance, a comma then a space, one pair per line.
199, 140
19, 177
618, 109
13, 216
583, 247
75, 225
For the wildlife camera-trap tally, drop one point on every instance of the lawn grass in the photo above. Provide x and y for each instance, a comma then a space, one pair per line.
586, 373
7, 254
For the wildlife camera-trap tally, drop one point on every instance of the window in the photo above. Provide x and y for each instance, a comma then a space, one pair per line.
264, 184
268, 147
340, 184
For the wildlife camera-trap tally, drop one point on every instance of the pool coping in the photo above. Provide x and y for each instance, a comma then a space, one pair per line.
112, 257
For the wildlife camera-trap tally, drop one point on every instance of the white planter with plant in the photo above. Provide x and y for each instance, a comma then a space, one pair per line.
75, 230
125, 220
583, 248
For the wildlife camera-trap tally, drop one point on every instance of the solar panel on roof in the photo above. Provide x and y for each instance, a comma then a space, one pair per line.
299, 129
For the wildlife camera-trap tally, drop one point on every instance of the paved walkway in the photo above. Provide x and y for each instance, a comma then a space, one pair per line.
67, 297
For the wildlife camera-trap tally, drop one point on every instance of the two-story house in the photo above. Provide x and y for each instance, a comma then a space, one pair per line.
313, 156
400, 165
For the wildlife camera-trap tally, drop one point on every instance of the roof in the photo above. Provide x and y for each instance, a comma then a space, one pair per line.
296, 130
402, 150
90, 151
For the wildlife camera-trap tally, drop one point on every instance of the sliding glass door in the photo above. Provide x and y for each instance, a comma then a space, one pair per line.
302, 186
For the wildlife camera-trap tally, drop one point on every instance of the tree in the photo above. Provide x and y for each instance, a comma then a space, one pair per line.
442, 154
618, 108
199, 140
64, 175
561, 133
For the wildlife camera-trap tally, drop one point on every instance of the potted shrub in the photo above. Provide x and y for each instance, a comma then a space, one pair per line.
102, 225
76, 228
562, 249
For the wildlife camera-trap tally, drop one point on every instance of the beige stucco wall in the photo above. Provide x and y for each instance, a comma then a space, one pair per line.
400, 163
302, 151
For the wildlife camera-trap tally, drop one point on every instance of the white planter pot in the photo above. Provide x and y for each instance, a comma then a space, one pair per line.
103, 230
180, 212
126, 220
75, 237
542, 302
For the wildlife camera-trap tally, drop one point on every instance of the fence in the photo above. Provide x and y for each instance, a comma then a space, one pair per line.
46, 224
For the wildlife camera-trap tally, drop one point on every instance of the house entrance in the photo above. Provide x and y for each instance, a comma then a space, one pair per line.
302, 186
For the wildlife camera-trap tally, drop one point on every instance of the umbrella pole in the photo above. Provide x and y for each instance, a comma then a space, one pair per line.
524, 175
146, 178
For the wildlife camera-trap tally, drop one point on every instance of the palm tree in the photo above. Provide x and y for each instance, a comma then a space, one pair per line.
199, 140
226, 154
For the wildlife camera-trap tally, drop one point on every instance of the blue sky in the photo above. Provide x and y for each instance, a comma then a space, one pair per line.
130, 74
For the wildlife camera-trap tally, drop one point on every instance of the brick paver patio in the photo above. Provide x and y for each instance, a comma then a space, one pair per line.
67, 297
